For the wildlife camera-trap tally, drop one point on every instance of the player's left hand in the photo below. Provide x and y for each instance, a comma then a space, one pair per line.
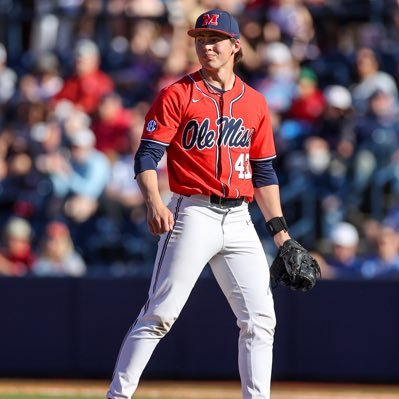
294, 267
280, 238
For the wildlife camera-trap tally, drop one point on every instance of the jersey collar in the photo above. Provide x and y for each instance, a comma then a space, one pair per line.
207, 88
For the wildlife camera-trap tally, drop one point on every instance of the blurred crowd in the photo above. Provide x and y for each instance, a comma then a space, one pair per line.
78, 76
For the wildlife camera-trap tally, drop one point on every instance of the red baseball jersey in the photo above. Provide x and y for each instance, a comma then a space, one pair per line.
211, 137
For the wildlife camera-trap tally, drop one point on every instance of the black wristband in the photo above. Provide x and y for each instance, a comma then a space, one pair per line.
275, 225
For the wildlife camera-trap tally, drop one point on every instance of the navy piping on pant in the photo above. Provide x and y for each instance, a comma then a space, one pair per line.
165, 246
147, 304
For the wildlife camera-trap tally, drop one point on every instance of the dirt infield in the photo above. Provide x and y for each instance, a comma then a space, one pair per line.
196, 390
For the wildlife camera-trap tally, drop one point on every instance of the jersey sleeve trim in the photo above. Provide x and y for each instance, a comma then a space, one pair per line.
263, 159
157, 142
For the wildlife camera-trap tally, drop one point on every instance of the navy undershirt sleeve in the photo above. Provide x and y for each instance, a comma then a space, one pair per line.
263, 173
147, 156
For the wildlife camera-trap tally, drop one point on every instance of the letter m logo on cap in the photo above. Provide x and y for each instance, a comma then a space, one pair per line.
210, 19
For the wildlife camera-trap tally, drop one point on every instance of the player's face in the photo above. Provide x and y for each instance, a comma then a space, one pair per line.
216, 50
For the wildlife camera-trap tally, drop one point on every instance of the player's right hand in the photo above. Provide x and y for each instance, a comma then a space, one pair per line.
159, 219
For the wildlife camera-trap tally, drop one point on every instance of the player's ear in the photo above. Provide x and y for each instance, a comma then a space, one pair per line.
236, 46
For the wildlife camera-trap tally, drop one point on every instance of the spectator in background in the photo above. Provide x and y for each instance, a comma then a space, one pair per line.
319, 167
71, 119
57, 255
335, 122
111, 126
309, 102
41, 83
344, 258
180, 59
329, 184
384, 262
145, 8
24, 189
8, 79
295, 23
378, 130
122, 200
277, 83
48, 155
278, 80
335, 126
48, 76
89, 84
377, 137
82, 178
25, 109
16, 253
331, 62
306, 107
147, 52
370, 79
46, 142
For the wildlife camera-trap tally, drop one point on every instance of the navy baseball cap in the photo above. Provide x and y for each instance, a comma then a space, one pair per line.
216, 21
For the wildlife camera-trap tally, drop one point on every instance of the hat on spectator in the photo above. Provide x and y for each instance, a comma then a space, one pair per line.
216, 21
277, 53
338, 97
38, 132
18, 227
307, 74
82, 138
86, 47
344, 234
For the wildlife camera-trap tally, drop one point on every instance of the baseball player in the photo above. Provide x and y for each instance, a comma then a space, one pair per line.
217, 133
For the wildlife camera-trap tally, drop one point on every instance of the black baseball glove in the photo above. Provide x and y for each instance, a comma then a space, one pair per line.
294, 267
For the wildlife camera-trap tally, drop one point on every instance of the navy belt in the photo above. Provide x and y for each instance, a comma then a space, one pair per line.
226, 202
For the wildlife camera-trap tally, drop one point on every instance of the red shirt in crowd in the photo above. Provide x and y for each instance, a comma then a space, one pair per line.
18, 261
308, 108
113, 134
86, 91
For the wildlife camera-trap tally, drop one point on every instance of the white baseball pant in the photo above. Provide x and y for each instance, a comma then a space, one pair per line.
226, 238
